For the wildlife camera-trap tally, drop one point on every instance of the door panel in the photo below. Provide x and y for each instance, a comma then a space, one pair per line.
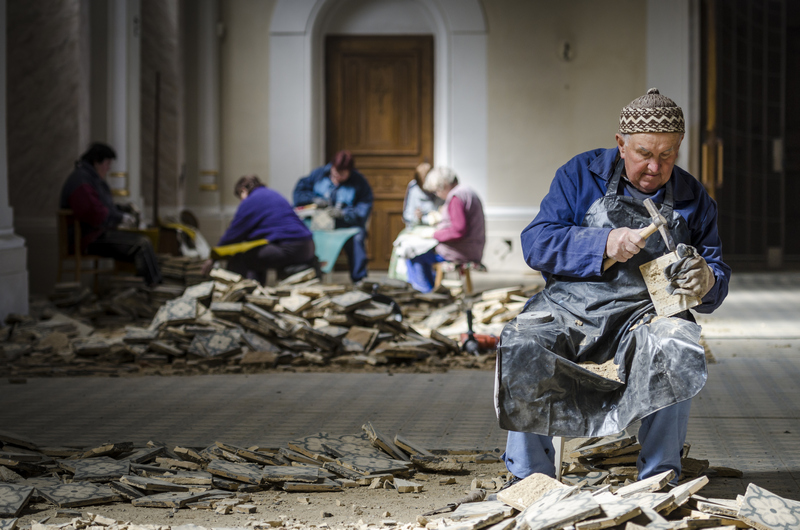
744, 109
379, 105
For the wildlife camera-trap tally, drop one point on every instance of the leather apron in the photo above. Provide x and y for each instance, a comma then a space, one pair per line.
540, 386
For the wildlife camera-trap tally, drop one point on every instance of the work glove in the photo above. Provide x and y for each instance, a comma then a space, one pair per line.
690, 275
321, 202
336, 213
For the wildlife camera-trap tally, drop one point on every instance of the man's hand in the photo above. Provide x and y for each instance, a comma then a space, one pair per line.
336, 213
320, 202
697, 279
624, 243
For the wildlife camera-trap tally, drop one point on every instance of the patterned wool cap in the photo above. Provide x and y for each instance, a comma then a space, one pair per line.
651, 113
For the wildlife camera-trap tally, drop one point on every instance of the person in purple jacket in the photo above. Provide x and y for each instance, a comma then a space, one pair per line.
594, 210
265, 214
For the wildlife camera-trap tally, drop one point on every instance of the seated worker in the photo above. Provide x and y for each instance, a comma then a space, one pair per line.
87, 194
421, 206
265, 214
461, 232
593, 211
347, 193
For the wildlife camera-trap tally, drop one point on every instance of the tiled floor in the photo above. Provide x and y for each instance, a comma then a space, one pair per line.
747, 416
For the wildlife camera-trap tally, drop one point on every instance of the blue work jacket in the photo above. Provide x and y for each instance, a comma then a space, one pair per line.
353, 196
556, 243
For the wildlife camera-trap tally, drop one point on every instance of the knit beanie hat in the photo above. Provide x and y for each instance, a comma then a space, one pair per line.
651, 113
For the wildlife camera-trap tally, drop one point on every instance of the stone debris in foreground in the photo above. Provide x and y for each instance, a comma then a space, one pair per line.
222, 475
227, 324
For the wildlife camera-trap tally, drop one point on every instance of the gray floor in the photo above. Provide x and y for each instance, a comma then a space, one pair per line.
747, 416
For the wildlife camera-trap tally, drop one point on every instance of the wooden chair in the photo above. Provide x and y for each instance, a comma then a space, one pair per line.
463, 270
65, 217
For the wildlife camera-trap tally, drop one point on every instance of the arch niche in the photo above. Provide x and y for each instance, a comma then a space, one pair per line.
296, 78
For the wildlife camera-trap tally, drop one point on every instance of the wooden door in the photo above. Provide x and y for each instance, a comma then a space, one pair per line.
379, 106
744, 82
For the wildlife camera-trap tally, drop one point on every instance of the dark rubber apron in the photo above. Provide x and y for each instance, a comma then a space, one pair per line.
539, 386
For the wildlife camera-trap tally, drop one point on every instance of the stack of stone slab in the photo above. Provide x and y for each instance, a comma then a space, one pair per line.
612, 460
233, 324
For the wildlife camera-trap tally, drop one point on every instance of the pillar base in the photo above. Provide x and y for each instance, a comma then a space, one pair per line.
13, 276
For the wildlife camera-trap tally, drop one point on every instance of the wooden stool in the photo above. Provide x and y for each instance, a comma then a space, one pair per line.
463, 270
64, 219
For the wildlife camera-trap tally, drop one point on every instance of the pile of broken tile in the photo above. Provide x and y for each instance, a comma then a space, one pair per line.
222, 477
542, 503
219, 477
595, 496
231, 324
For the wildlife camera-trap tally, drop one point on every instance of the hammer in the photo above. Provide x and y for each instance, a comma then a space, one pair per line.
659, 223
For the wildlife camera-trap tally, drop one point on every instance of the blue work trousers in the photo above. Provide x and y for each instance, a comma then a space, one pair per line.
420, 271
661, 435
357, 255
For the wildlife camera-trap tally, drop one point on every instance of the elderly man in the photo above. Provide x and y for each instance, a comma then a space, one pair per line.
343, 189
461, 233
594, 210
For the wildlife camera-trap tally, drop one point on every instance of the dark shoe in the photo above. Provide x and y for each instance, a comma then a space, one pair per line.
510, 482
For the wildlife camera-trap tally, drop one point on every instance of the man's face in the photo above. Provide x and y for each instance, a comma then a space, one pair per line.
337, 177
103, 167
649, 158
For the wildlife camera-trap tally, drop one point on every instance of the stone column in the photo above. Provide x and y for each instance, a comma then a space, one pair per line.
13, 253
208, 97
124, 98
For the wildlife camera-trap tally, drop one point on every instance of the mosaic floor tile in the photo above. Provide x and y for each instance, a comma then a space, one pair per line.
247, 473
101, 469
290, 474
8, 524
77, 494
13, 498
563, 512
216, 345
764, 510
171, 499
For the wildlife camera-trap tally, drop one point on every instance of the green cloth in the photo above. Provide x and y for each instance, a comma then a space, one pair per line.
329, 244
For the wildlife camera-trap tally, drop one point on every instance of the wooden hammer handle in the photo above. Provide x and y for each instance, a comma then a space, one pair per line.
645, 232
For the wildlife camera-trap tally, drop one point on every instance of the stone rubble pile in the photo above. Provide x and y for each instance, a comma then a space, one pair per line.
230, 324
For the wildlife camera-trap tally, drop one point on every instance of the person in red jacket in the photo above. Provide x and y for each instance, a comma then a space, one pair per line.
87, 194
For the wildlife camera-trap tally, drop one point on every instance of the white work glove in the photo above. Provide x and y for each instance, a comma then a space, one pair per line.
696, 280
624, 243
128, 221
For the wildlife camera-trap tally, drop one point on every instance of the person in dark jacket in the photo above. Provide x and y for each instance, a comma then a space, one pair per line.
265, 214
340, 187
87, 194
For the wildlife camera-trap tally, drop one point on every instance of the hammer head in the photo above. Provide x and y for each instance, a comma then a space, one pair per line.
661, 223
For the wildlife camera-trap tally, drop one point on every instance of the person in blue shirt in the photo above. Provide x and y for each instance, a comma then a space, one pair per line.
594, 210
265, 214
346, 192
421, 206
